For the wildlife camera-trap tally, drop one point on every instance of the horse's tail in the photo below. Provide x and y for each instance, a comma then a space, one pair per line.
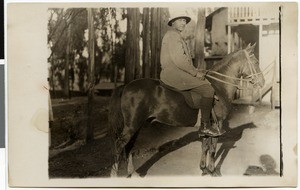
115, 117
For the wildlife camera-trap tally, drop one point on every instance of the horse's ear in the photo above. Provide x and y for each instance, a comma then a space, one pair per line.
249, 48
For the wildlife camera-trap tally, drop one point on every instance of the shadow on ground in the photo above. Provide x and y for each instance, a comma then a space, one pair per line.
227, 143
267, 168
94, 159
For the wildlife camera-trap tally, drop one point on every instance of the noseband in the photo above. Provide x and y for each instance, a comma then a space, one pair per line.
252, 78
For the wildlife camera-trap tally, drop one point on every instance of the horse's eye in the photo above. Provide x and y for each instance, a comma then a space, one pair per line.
255, 61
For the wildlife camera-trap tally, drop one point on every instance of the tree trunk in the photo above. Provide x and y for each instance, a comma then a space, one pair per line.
52, 78
159, 19
146, 43
199, 40
114, 71
154, 42
164, 22
91, 76
67, 63
132, 57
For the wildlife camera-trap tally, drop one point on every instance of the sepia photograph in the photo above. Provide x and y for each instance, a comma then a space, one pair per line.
144, 91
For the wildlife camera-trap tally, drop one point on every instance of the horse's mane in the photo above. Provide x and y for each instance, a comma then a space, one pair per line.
223, 64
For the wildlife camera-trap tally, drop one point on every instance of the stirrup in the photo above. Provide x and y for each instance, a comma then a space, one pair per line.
206, 129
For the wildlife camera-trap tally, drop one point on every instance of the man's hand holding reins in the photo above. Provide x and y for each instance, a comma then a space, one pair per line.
201, 74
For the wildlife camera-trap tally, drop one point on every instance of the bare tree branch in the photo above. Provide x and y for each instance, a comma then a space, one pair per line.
63, 31
71, 15
56, 26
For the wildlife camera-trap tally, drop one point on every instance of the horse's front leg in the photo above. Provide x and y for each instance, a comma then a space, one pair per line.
205, 147
211, 155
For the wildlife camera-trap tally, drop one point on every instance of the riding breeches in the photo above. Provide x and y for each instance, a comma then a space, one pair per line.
204, 95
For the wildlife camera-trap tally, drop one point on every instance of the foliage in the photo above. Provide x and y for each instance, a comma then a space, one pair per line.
58, 24
68, 28
110, 42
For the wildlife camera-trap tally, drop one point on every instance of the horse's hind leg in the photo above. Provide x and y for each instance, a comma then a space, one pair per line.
119, 150
115, 166
129, 154
127, 139
205, 147
130, 166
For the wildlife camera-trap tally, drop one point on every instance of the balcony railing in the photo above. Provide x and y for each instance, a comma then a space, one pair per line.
253, 15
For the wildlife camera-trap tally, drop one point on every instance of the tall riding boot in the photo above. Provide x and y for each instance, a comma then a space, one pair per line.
207, 128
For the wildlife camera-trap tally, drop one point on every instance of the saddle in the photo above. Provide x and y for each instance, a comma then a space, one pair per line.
191, 98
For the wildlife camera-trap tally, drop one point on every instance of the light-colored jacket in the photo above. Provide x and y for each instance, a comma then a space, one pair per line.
176, 63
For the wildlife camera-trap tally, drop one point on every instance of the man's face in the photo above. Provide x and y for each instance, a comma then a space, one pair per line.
179, 24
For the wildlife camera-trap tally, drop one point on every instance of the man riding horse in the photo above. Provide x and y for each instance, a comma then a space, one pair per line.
178, 72
146, 101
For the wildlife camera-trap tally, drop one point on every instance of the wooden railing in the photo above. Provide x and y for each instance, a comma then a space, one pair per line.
261, 15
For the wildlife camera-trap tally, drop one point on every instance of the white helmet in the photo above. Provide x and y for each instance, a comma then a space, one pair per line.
177, 14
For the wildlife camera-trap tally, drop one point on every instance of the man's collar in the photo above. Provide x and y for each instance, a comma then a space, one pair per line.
173, 29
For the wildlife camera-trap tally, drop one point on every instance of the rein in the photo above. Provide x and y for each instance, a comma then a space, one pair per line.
229, 83
249, 78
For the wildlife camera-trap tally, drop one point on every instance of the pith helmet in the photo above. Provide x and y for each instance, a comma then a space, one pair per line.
177, 14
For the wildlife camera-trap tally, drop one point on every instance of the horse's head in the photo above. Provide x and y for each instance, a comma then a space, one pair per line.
250, 69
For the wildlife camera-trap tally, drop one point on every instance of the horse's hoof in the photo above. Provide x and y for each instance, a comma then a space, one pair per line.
202, 165
135, 174
113, 174
211, 168
114, 170
216, 174
205, 172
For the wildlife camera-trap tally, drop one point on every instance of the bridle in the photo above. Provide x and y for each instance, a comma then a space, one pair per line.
252, 78
254, 73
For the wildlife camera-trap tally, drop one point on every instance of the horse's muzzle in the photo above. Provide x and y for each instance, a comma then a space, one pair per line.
258, 81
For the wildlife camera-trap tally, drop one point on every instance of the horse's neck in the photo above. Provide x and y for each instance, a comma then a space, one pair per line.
225, 91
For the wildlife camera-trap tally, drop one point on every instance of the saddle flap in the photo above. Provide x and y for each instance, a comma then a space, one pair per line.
191, 98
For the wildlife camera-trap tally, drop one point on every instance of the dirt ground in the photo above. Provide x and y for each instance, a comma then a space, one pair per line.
251, 145
69, 128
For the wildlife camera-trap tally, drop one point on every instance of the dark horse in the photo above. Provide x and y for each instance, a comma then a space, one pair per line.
146, 100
